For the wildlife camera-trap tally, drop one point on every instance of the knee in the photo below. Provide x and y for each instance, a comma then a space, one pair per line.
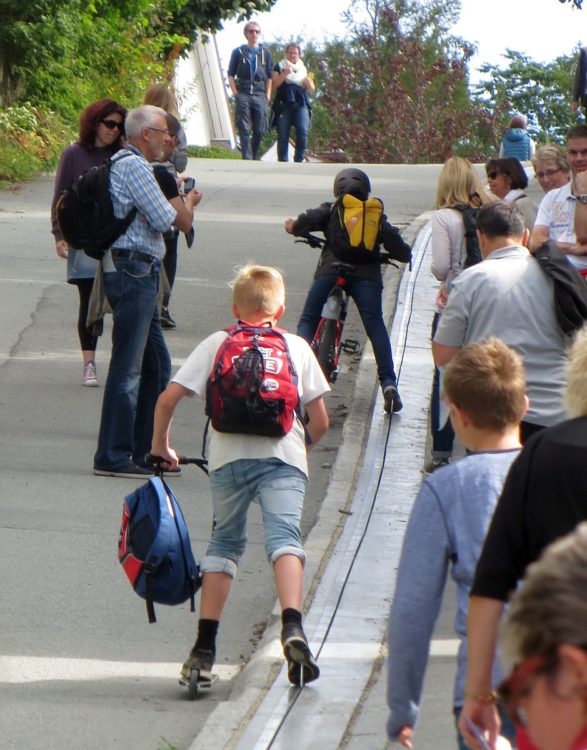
288, 550
215, 564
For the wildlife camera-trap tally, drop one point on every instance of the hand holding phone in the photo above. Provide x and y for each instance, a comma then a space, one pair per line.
188, 184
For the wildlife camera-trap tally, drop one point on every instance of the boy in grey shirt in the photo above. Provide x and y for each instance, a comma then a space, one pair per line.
485, 387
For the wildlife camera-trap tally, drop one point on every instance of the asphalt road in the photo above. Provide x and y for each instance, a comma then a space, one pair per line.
79, 665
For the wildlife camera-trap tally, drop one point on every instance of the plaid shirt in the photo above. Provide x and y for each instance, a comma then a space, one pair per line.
132, 184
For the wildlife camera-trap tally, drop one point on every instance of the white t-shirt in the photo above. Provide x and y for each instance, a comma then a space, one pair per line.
557, 213
226, 447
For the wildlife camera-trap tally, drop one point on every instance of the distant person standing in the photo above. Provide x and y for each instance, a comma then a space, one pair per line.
579, 93
516, 140
291, 106
101, 128
249, 78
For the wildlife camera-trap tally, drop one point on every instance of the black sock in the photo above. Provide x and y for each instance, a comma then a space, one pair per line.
291, 615
206, 640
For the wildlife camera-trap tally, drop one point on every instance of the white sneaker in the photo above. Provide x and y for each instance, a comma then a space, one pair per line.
89, 376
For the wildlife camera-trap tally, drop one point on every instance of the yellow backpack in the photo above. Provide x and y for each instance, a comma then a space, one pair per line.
354, 229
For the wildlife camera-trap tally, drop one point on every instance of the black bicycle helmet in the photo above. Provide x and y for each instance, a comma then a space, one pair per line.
352, 181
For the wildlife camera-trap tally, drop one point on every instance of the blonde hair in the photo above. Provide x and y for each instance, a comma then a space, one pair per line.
459, 183
549, 609
551, 152
258, 289
576, 391
486, 380
162, 96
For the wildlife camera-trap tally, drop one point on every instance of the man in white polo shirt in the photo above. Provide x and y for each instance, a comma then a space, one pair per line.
556, 214
509, 296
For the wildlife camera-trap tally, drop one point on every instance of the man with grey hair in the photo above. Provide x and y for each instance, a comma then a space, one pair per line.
140, 365
509, 296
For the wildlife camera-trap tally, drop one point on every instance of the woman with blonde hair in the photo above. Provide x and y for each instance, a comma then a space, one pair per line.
551, 167
458, 185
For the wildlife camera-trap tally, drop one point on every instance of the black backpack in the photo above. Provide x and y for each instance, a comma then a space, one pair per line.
570, 288
85, 214
472, 249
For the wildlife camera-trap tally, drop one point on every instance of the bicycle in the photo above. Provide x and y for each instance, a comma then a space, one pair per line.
327, 342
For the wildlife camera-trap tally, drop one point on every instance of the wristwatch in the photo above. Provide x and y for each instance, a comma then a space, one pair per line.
581, 198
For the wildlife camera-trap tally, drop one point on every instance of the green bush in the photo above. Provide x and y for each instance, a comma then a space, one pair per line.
31, 141
212, 152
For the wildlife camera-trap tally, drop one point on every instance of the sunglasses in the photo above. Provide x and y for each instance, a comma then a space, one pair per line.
493, 175
518, 686
253, 31
111, 124
547, 173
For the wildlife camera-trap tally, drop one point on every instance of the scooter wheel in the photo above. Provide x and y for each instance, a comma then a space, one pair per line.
193, 684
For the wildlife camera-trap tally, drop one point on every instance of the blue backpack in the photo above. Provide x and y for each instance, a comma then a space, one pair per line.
154, 547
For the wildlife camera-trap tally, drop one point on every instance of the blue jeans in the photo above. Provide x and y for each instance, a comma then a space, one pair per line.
279, 489
443, 436
251, 114
140, 365
367, 296
289, 118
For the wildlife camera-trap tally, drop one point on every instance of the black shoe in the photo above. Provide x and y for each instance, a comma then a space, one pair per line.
391, 400
436, 463
166, 319
129, 471
301, 665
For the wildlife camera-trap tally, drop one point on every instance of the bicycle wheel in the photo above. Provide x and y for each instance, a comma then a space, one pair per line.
326, 349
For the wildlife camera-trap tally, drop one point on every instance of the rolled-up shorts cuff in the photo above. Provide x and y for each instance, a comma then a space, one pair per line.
213, 564
289, 550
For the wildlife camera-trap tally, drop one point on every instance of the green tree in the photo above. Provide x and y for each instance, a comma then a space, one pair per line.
540, 91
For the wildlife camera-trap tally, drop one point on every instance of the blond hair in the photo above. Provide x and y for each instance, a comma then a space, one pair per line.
486, 380
549, 609
459, 183
258, 289
551, 152
576, 391
162, 96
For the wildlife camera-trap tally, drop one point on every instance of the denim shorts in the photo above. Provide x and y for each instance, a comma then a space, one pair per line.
278, 488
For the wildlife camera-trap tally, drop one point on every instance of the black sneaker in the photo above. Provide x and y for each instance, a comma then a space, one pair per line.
436, 463
130, 471
391, 400
166, 319
301, 665
201, 660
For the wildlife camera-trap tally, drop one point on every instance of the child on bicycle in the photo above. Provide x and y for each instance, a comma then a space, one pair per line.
364, 284
247, 467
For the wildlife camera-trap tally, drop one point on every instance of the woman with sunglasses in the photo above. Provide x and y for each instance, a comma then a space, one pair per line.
545, 636
507, 181
551, 167
101, 130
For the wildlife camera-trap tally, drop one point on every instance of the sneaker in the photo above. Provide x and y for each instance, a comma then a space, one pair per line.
391, 400
301, 665
89, 376
130, 471
436, 463
166, 319
201, 660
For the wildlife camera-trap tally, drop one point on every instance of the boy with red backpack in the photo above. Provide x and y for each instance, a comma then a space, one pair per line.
256, 379
355, 227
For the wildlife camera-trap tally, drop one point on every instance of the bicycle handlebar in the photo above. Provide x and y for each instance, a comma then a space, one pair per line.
313, 240
156, 462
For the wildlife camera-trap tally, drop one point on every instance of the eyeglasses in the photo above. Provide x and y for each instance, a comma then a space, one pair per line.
111, 124
253, 31
493, 175
547, 173
518, 686
158, 130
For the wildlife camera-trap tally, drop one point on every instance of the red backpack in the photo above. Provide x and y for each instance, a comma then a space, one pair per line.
253, 386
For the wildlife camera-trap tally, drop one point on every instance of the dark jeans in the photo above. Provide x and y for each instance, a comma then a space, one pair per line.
367, 297
299, 119
251, 114
140, 365
170, 264
443, 436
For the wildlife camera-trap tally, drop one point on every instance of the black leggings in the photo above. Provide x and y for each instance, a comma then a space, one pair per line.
170, 263
86, 340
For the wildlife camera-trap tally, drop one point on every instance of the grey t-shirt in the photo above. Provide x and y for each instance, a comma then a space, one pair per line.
509, 296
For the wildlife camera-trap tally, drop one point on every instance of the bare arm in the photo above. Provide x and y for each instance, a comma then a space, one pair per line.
540, 235
164, 410
185, 211
483, 621
443, 354
318, 422
581, 209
